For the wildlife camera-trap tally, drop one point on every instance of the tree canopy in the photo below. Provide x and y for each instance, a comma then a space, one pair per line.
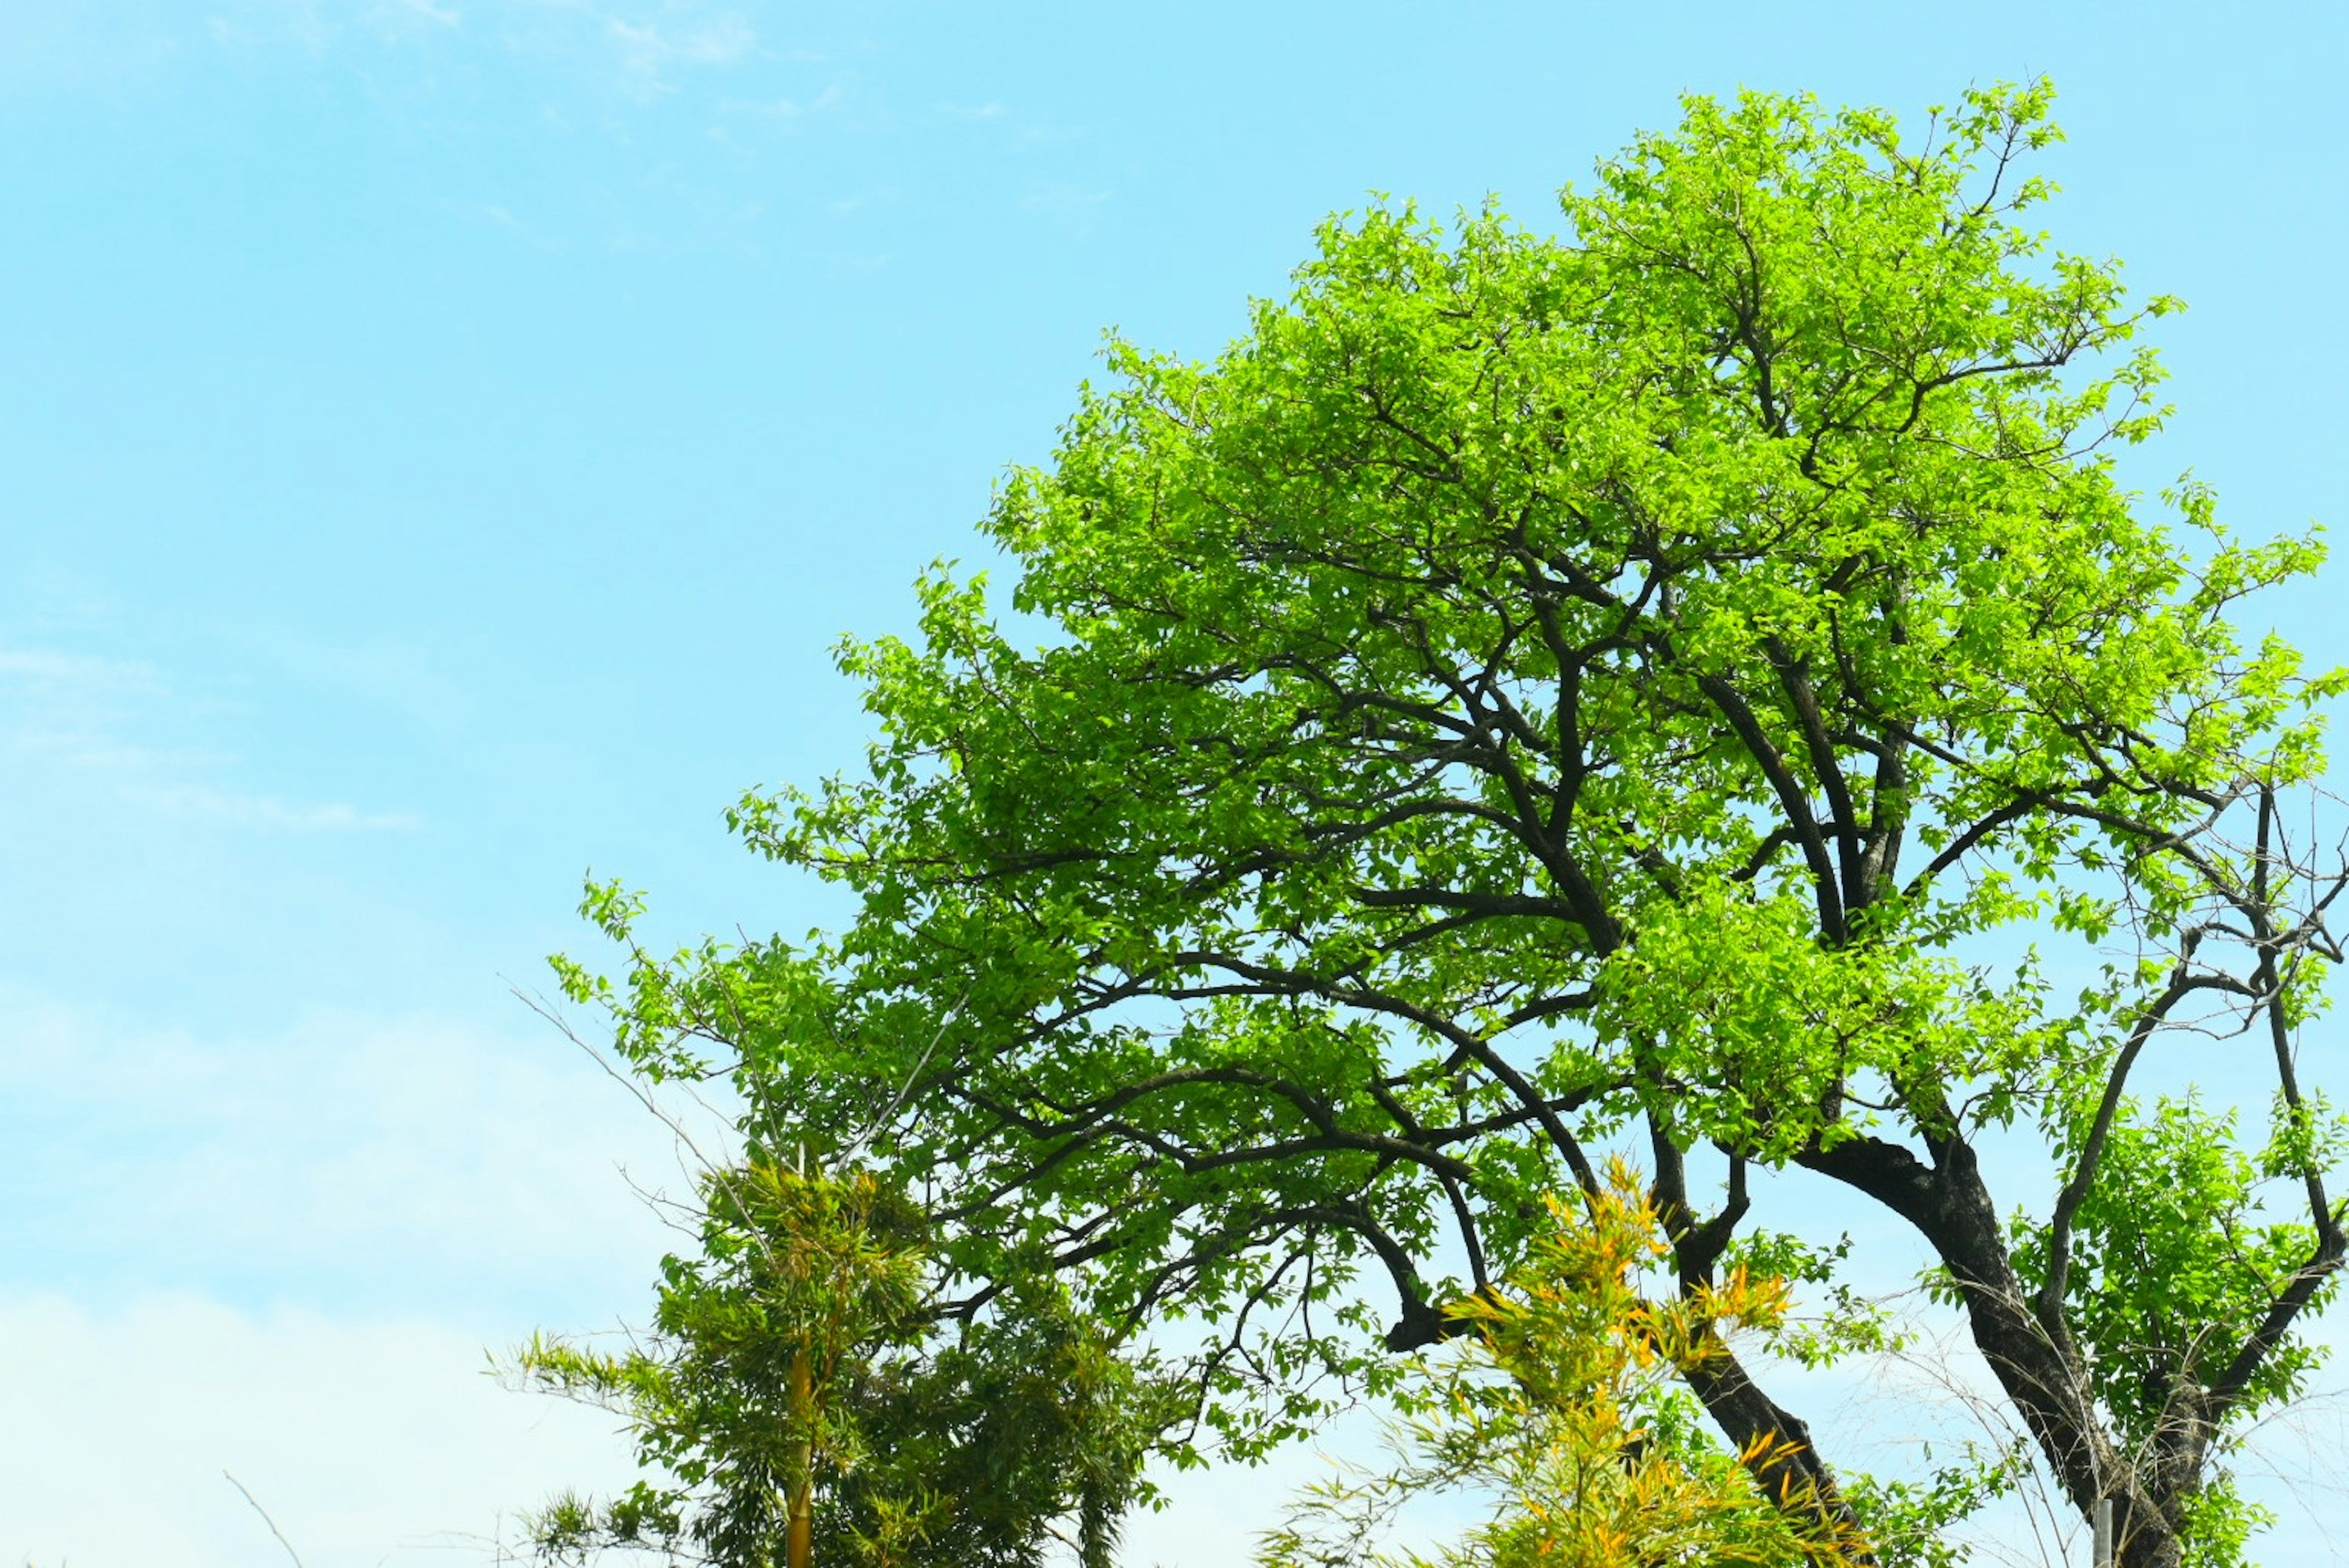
1698, 681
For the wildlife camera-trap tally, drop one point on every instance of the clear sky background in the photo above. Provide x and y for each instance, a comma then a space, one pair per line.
440, 442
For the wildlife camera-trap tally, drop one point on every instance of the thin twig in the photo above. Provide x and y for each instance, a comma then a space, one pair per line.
857, 1145
267, 1520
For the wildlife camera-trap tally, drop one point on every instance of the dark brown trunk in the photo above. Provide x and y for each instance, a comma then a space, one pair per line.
1787, 1467
1777, 1443
1950, 1205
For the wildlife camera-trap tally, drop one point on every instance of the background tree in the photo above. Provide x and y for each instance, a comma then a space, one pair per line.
794, 1404
741, 1396
1027, 1428
1658, 685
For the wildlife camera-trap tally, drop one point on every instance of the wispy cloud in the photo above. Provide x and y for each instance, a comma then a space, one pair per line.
791, 108
53, 47
879, 195
1068, 207
261, 26
73, 709
336, 1155
288, 1248
51, 674
402, 673
651, 52
190, 802
96, 725
715, 43
666, 105
649, 45
999, 120
424, 10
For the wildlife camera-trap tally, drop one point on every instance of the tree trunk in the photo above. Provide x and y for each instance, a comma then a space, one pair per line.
1950, 1205
799, 1531
1798, 1480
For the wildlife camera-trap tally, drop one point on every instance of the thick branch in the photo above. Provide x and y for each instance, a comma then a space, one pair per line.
1793, 799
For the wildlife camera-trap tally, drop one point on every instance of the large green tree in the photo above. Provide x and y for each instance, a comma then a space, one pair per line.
1696, 680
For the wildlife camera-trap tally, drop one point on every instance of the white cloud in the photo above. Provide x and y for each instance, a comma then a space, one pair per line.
108, 40
879, 195
402, 673
252, 27
418, 1159
92, 42
369, 1441
458, 1180
649, 45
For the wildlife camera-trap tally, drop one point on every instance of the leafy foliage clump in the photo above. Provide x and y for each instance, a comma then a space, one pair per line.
794, 1361
1564, 1401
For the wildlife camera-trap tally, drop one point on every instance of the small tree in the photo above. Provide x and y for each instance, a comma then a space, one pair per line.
1565, 1403
795, 1393
741, 1395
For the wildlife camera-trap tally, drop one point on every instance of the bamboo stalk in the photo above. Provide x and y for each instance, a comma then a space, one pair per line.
798, 1539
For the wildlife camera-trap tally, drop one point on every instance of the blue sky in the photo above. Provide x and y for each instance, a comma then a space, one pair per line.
440, 442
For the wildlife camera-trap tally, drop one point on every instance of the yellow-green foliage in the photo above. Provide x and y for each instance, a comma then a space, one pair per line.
1561, 1403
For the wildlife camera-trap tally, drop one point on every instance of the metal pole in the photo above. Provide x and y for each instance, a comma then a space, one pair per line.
2103, 1532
